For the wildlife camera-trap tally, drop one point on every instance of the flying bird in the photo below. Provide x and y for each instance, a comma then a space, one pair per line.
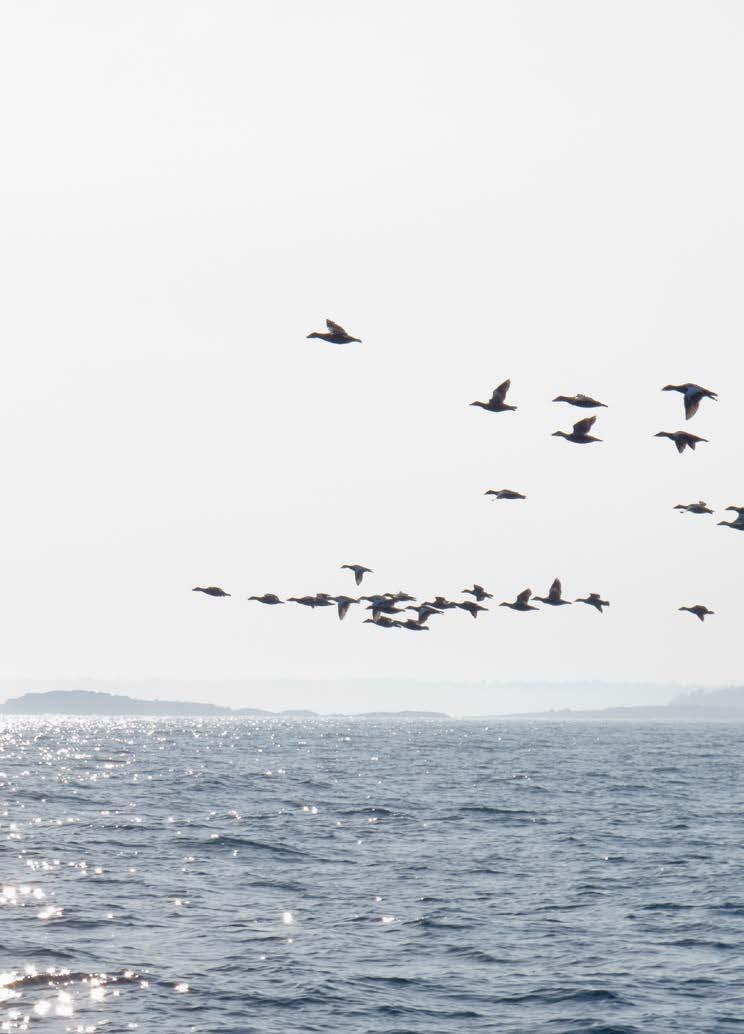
343, 603
699, 611
594, 600
269, 598
335, 334
554, 598
582, 401
442, 604
412, 626
424, 611
682, 439
382, 622
359, 571
211, 590
496, 402
738, 522
385, 607
692, 394
504, 493
522, 601
580, 434
479, 592
471, 607
304, 601
700, 507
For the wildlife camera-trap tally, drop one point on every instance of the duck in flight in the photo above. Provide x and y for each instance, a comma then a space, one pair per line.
335, 334
496, 402
440, 603
580, 433
582, 401
700, 507
343, 603
699, 611
692, 394
412, 626
682, 439
554, 598
384, 607
504, 493
471, 607
424, 611
479, 592
359, 571
738, 522
382, 622
210, 590
594, 600
522, 602
270, 598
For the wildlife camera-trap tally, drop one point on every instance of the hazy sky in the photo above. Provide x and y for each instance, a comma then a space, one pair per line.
547, 192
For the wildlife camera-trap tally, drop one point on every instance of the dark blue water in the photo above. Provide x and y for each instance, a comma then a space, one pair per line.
361, 876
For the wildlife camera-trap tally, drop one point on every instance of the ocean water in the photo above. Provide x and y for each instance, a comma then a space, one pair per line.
371, 876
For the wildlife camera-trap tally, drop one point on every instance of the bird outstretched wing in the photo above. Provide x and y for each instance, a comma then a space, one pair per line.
524, 596
554, 592
335, 328
584, 426
499, 394
692, 403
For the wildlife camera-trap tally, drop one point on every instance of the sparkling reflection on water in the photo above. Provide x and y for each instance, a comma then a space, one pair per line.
370, 876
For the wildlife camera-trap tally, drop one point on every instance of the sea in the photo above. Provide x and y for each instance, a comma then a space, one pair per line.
371, 876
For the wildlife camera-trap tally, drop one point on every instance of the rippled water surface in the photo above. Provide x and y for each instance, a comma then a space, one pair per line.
364, 876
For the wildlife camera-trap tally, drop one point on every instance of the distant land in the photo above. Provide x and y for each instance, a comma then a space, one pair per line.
726, 704
92, 702
699, 705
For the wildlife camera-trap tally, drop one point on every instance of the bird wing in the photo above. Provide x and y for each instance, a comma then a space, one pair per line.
692, 402
584, 426
499, 394
342, 610
524, 596
554, 592
335, 328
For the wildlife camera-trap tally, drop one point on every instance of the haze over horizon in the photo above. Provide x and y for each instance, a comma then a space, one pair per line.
550, 193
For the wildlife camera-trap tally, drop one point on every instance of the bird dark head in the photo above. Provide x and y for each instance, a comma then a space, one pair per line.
560, 398
504, 604
357, 339
559, 434
314, 334
671, 387
661, 434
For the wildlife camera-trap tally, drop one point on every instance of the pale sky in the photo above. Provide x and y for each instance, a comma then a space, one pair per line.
547, 192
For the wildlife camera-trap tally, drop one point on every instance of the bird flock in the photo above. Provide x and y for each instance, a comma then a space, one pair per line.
391, 609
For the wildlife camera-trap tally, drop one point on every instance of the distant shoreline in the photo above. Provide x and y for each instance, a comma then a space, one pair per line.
95, 704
